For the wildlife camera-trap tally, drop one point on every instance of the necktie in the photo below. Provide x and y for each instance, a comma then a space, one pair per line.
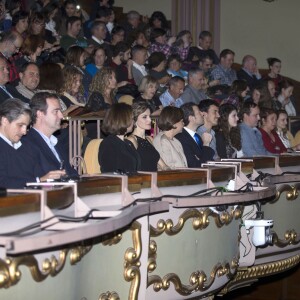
198, 139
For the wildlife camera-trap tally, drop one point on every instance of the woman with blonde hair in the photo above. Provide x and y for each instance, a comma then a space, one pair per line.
103, 90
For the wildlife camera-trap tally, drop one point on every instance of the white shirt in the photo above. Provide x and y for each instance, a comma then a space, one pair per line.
14, 145
141, 68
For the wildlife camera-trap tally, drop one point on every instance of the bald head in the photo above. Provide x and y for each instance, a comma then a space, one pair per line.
249, 63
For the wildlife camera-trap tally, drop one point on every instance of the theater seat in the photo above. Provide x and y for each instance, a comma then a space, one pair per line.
91, 157
126, 99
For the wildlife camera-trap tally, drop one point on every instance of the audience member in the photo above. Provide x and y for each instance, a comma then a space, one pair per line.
117, 35
274, 74
170, 122
252, 143
150, 158
139, 57
237, 94
286, 89
172, 96
158, 20
223, 70
194, 91
114, 154
276, 105
99, 57
206, 64
196, 149
160, 43
174, 64
182, 44
20, 22
99, 32
228, 138
270, 138
157, 68
210, 111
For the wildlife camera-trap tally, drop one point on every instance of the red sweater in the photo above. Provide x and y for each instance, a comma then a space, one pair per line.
276, 146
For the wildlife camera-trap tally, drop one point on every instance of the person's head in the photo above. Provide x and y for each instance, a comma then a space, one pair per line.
103, 14
12, 6
255, 95
286, 88
73, 25
46, 112
206, 63
30, 75
10, 42
157, 60
184, 37
171, 118
50, 10
100, 56
117, 34
20, 21
140, 38
37, 24
99, 30
72, 80
274, 65
192, 116
268, 119
141, 115
148, 86
103, 81
176, 86
228, 116
282, 120
70, 8
158, 20
133, 18
15, 116
174, 62
4, 71
158, 35
122, 51
249, 114
227, 58
76, 56
33, 44
51, 77
210, 111
205, 40
271, 88
196, 78
240, 88
118, 119
139, 54
249, 63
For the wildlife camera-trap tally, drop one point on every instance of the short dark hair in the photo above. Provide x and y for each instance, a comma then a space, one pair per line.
272, 60
72, 20
137, 48
174, 80
284, 84
169, 116
97, 24
39, 102
205, 104
117, 119
246, 109
155, 33
19, 15
120, 47
155, 59
203, 34
24, 67
13, 108
265, 112
225, 52
188, 111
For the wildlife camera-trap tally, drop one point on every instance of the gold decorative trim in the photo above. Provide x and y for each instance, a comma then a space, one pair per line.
113, 241
255, 272
291, 192
290, 239
200, 220
152, 256
109, 296
198, 280
132, 261
76, 254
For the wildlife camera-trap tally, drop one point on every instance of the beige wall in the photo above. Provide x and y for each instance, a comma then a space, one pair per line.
146, 7
264, 30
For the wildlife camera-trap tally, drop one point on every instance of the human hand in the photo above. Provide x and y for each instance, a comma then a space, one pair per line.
56, 174
171, 40
206, 138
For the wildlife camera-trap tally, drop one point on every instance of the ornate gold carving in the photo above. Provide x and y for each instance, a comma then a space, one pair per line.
113, 241
290, 239
132, 261
200, 220
198, 280
76, 254
152, 256
109, 296
254, 272
291, 192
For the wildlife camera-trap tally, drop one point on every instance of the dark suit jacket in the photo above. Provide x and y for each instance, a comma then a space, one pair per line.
33, 142
11, 90
252, 82
195, 155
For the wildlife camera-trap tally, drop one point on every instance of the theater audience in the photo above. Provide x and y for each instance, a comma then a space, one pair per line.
20, 22
160, 43
274, 74
150, 158
174, 64
270, 138
139, 57
99, 32
117, 35
158, 20
237, 94
172, 96
170, 122
196, 149
276, 105
182, 44
114, 154
206, 64
99, 57
157, 68
286, 89
210, 111
252, 143
228, 138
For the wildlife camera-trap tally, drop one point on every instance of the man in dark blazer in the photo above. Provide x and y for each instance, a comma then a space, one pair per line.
46, 119
249, 71
196, 149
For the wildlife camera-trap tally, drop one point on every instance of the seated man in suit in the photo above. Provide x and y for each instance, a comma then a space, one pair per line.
196, 148
249, 71
99, 32
46, 119
139, 57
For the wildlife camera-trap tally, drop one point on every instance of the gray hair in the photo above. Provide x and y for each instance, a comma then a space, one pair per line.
13, 108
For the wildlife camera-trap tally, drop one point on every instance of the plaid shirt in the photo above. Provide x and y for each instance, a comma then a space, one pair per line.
226, 76
167, 50
13, 72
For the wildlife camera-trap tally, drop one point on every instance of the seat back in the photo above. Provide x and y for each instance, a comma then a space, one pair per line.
91, 157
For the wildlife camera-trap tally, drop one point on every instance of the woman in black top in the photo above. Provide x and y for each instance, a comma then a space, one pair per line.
150, 158
114, 154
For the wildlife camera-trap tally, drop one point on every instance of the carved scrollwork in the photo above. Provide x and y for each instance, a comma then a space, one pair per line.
113, 241
76, 254
109, 296
290, 238
152, 256
198, 280
291, 192
132, 261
